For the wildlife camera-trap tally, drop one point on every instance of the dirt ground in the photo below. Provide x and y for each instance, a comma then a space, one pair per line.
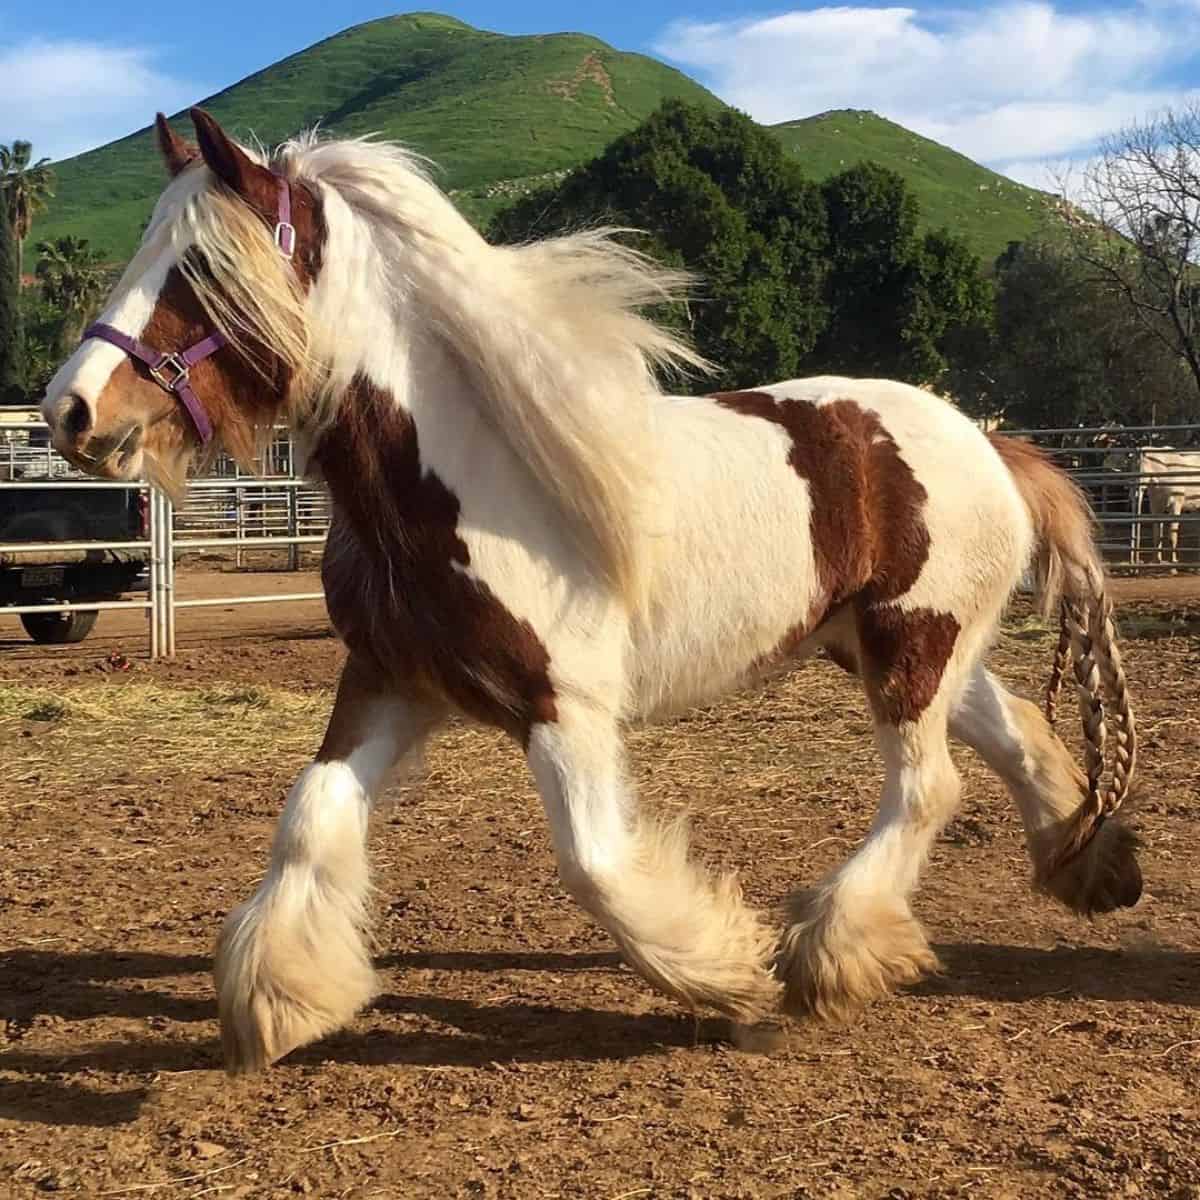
509, 1053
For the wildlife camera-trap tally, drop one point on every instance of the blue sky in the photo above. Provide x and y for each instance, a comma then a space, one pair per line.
1023, 85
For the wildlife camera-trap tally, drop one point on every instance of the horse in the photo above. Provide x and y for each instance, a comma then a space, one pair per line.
529, 533
1169, 479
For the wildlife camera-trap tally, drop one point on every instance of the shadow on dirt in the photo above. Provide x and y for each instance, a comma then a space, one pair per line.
429, 1030
1016, 973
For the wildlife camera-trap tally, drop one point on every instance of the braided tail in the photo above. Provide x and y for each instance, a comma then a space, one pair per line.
1070, 578
1062, 660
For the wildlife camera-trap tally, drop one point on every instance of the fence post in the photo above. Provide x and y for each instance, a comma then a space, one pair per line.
239, 530
169, 590
293, 525
155, 572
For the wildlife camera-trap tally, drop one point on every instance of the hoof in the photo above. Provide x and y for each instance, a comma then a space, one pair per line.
834, 959
1105, 877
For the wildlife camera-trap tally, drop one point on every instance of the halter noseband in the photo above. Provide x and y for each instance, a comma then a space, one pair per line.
171, 370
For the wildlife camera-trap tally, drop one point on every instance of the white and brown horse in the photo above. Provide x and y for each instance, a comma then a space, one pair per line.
527, 532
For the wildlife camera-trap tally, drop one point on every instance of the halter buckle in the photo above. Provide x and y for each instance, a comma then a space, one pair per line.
178, 369
285, 238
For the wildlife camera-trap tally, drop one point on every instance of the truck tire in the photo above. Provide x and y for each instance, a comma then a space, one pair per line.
51, 628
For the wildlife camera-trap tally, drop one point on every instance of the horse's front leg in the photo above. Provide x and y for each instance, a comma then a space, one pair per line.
685, 932
292, 962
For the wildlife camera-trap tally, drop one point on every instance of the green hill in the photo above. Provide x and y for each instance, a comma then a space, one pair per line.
985, 208
500, 114
484, 106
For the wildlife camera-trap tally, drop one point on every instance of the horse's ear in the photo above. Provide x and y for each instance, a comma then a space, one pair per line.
229, 162
176, 152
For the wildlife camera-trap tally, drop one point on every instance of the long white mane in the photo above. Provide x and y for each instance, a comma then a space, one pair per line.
548, 333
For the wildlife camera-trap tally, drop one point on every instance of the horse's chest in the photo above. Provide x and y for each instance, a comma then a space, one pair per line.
399, 582
413, 607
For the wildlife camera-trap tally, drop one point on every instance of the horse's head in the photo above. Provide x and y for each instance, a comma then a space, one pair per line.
198, 344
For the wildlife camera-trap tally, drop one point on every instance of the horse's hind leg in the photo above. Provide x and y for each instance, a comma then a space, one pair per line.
688, 934
1017, 742
1175, 510
292, 962
853, 937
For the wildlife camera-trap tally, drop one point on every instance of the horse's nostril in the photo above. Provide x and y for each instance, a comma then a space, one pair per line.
77, 416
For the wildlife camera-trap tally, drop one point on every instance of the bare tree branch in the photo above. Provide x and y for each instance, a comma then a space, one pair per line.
1135, 223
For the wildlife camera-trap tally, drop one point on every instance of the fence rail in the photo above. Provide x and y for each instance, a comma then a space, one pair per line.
1149, 519
1148, 516
226, 511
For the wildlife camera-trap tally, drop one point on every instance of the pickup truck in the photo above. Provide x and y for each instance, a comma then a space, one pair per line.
77, 512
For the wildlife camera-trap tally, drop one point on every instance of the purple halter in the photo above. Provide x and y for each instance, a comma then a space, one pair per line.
171, 371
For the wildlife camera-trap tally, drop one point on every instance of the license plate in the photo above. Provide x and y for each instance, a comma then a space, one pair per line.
41, 576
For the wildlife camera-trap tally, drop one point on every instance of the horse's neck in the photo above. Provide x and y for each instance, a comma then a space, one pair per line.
389, 435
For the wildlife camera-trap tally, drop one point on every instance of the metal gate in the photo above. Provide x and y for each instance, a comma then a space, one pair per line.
225, 511
1143, 482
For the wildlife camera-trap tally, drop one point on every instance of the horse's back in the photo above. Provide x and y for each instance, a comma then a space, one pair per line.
972, 514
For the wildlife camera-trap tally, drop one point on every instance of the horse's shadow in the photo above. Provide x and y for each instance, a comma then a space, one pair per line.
83, 986
79, 987
1015, 974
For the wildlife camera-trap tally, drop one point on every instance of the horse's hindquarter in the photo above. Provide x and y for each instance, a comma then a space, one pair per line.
775, 509
793, 500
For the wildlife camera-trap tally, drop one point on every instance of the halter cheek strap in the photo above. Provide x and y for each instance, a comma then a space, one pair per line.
171, 371
285, 231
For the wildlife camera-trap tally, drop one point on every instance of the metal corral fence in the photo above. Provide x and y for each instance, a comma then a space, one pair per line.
1144, 484
226, 514
276, 510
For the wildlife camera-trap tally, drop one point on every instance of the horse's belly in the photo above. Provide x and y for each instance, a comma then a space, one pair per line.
735, 579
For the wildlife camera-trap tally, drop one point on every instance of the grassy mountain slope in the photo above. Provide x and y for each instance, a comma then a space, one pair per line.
985, 208
499, 114
484, 106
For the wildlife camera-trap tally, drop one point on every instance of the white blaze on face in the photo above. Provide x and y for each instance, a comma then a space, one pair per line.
89, 369
129, 308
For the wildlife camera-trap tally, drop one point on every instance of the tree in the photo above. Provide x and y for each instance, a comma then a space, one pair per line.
12, 341
1137, 226
1067, 351
950, 303
73, 280
717, 194
26, 186
895, 298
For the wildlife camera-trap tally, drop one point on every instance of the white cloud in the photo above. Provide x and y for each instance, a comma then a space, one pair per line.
1004, 82
1038, 172
69, 96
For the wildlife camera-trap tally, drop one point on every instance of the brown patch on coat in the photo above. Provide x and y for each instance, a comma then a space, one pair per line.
360, 683
905, 652
868, 533
397, 580
870, 543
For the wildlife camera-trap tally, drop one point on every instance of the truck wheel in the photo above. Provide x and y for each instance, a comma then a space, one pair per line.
57, 628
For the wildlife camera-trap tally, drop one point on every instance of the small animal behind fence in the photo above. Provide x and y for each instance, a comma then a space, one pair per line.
528, 532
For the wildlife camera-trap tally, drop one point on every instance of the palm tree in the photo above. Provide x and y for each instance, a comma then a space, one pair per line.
73, 279
25, 186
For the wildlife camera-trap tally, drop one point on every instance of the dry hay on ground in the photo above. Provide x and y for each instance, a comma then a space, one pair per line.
510, 1055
